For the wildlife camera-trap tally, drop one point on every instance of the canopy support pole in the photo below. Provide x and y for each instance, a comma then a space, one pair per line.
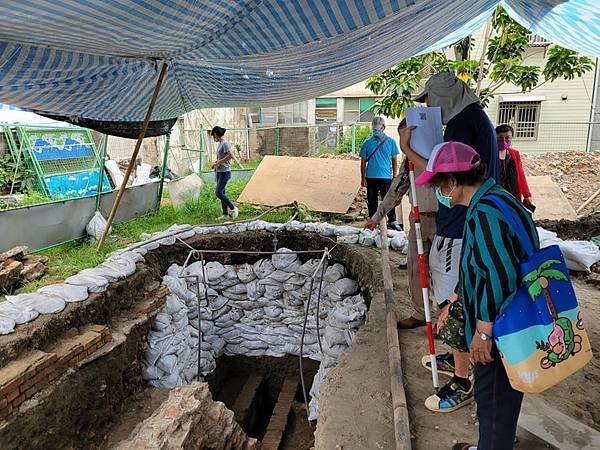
138, 145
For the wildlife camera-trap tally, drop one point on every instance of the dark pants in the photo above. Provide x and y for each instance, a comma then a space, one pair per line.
222, 179
498, 407
377, 187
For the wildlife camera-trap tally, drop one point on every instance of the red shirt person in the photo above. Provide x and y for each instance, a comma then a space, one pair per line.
512, 175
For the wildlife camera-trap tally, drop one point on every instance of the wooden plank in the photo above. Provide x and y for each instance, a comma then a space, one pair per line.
551, 202
547, 423
243, 406
401, 424
326, 185
281, 412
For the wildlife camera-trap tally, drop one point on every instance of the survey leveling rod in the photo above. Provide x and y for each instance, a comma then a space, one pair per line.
423, 273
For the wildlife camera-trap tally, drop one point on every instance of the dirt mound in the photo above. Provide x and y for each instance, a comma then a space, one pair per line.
350, 156
584, 228
575, 172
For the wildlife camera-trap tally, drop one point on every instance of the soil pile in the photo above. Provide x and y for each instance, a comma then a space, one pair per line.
577, 173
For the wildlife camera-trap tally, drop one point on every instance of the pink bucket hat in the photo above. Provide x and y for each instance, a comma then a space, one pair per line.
449, 157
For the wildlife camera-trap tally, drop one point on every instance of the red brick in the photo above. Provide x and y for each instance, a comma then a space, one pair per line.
5, 411
42, 376
17, 401
3, 402
67, 349
100, 329
12, 395
72, 333
18, 371
47, 363
89, 339
13, 385
32, 391
108, 338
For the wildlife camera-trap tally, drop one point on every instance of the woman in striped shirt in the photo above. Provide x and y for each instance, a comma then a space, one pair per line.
489, 277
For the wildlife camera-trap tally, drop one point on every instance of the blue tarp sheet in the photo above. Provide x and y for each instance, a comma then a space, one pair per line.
99, 59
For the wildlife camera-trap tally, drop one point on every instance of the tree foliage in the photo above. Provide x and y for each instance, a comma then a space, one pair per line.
504, 61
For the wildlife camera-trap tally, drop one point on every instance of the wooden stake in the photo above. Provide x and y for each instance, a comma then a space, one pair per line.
401, 425
588, 201
138, 145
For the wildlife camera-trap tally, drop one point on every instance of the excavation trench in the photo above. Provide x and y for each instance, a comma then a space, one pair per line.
102, 400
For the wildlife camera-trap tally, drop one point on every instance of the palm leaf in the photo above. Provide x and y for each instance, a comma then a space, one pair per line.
548, 263
535, 289
531, 276
554, 274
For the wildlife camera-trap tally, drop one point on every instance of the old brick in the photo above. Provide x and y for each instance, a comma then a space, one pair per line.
72, 333
3, 402
100, 329
33, 381
17, 401
12, 395
47, 362
66, 349
32, 391
5, 411
108, 338
17, 372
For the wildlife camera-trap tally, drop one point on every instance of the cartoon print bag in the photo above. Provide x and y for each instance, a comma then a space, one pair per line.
540, 333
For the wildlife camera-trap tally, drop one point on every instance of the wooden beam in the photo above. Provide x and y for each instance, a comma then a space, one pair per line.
401, 424
138, 145
279, 418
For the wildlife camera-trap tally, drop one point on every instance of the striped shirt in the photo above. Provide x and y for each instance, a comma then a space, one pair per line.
491, 254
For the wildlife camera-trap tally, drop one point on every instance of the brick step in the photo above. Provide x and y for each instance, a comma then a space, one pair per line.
281, 412
248, 402
23, 378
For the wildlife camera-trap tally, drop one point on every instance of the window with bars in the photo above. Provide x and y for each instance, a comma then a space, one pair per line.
326, 110
522, 116
287, 114
358, 109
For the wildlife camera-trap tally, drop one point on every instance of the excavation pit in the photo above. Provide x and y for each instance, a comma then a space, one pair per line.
85, 403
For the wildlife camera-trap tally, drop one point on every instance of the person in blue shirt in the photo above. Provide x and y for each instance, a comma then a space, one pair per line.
378, 165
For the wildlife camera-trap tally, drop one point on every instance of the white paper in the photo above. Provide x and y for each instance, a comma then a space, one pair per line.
428, 133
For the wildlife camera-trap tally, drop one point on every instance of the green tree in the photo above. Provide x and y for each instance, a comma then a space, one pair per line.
501, 61
539, 282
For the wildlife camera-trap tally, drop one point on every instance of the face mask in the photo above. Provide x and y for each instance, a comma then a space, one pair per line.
377, 133
503, 144
443, 199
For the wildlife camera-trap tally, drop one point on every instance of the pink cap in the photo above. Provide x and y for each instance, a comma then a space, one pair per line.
449, 157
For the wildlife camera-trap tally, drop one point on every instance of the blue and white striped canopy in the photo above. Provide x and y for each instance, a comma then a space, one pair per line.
99, 59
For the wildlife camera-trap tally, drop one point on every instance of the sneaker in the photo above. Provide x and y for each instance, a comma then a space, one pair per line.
395, 226
445, 363
234, 213
450, 397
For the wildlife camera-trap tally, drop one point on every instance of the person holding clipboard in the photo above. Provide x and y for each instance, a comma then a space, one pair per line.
466, 122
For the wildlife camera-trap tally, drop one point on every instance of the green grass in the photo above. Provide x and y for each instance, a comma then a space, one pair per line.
72, 257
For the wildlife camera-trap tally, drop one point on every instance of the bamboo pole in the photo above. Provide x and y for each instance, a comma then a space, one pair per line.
138, 145
401, 425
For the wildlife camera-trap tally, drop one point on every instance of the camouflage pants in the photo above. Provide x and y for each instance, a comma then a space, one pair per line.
453, 333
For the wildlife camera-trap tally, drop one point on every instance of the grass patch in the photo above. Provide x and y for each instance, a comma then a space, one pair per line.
69, 258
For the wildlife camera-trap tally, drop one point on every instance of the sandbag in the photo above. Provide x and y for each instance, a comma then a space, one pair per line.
93, 283
69, 293
7, 325
96, 226
42, 303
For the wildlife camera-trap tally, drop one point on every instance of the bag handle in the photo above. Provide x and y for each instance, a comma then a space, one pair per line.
377, 148
516, 224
